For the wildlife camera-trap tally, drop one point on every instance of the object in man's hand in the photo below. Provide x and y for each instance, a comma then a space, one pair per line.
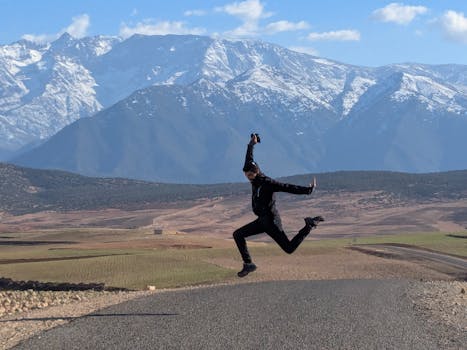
257, 137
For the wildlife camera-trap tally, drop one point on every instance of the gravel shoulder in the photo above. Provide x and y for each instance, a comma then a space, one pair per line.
27, 313
444, 305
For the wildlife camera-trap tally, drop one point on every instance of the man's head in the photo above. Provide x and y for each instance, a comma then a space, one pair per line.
251, 170
251, 175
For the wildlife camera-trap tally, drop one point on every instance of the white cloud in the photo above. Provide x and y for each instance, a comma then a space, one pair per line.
305, 49
40, 38
194, 13
249, 12
149, 27
398, 13
285, 26
454, 26
246, 29
78, 29
338, 35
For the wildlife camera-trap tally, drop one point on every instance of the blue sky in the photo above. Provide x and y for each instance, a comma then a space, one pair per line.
361, 32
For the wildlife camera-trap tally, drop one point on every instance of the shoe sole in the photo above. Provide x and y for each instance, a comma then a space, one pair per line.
245, 273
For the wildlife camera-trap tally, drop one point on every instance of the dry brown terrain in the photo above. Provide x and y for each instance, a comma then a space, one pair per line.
210, 223
437, 300
347, 214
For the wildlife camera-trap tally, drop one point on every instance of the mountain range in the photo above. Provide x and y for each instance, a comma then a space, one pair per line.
180, 109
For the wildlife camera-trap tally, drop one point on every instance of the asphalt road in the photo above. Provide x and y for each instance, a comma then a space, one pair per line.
453, 261
341, 314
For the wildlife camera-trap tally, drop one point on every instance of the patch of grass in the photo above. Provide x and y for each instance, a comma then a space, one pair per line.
168, 268
45, 252
161, 268
439, 241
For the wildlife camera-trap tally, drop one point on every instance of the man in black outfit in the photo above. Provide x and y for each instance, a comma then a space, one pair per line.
264, 206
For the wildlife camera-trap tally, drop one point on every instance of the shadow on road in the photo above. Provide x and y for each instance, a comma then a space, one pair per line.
70, 318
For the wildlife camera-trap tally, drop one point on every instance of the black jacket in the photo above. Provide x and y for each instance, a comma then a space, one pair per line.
263, 188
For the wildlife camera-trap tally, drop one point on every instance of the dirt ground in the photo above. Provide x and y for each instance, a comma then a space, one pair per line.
346, 214
210, 223
435, 300
340, 264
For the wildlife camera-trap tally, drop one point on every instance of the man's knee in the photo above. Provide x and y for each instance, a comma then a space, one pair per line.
286, 247
237, 234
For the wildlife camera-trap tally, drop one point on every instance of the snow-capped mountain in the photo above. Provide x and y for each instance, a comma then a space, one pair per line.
46, 87
320, 110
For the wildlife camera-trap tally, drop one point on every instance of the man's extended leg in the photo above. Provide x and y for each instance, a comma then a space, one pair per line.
253, 228
275, 231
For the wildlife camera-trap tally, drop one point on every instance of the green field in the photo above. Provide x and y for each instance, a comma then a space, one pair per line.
434, 241
167, 268
132, 269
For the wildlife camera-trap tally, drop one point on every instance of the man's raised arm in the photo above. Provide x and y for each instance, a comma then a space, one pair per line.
249, 152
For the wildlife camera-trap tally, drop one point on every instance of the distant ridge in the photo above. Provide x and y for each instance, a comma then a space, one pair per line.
26, 190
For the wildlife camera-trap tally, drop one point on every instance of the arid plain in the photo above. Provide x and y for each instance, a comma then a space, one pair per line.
351, 217
188, 243
347, 214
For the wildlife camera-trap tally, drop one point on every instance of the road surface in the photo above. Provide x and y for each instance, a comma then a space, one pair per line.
340, 314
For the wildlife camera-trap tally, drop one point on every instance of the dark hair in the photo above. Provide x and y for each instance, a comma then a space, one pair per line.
251, 166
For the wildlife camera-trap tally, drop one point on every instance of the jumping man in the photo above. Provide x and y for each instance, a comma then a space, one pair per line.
264, 206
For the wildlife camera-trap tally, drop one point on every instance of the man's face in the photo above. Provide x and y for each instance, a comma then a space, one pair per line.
250, 175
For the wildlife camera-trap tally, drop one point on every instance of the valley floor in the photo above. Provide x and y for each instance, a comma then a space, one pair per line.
347, 214
443, 301
196, 250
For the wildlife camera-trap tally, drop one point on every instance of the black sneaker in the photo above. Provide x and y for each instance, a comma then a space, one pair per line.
247, 268
313, 222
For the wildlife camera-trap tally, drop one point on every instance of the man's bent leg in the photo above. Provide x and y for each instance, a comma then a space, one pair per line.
299, 237
275, 231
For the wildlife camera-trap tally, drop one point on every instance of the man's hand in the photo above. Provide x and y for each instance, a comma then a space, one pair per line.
313, 184
254, 139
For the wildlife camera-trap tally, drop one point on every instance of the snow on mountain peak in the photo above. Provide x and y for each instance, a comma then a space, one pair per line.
14, 57
358, 87
43, 87
431, 93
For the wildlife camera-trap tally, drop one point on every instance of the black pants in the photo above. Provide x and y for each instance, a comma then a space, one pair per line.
273, 227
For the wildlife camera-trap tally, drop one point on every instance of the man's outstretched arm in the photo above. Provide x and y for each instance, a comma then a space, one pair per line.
295, 189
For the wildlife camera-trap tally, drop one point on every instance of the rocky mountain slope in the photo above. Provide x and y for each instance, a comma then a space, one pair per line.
199, 97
